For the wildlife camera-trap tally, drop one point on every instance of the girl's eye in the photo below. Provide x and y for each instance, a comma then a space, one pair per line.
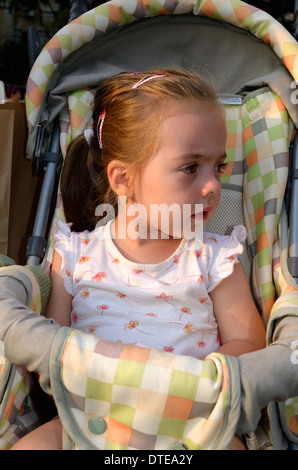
220, 167
190, 170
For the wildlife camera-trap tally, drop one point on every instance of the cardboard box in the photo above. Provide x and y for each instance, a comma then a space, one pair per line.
19, 186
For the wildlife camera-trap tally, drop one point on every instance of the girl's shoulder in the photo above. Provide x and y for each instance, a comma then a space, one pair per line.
217, 242
63, 232
77, 242
221, 253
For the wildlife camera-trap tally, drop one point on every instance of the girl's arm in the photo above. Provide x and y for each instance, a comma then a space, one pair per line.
60, 302
240, 326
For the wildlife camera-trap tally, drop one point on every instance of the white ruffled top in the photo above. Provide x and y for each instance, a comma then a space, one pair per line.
163, 306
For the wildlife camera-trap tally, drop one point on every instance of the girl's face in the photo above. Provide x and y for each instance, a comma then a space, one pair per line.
187, 166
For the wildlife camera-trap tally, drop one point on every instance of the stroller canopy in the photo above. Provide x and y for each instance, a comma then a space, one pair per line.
117, 36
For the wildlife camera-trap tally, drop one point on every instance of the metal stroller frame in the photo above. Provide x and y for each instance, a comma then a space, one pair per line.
49, 161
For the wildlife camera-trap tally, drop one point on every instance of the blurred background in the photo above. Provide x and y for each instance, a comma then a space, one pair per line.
48, 16
16, 17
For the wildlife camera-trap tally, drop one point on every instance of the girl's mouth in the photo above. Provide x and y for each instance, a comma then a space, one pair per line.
202, 215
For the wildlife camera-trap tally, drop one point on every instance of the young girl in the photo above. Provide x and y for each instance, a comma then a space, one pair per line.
158, 140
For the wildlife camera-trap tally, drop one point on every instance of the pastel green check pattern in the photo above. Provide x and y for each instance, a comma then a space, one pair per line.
123, 393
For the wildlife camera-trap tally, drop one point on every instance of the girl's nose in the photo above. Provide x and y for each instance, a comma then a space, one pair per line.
210, 185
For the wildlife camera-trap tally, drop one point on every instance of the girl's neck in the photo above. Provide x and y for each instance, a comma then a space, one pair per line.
144, 250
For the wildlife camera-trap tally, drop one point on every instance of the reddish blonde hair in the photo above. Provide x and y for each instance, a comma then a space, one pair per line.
130, 133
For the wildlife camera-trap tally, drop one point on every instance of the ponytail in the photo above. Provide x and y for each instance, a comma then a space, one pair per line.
79, 191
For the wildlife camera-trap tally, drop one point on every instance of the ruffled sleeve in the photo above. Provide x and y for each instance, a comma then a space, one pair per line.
223, 254
64, 245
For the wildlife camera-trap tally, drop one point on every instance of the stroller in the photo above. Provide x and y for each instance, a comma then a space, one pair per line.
253, 61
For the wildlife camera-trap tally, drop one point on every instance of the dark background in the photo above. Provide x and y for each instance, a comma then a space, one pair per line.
14, 59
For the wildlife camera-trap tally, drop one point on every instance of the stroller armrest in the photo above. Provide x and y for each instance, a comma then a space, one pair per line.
27, 336
268, 375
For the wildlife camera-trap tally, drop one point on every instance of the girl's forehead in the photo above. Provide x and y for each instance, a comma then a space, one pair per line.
188, 126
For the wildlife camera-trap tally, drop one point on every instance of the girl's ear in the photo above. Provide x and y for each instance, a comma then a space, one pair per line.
120, 178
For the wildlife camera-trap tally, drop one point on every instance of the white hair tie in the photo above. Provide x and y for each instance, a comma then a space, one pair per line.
88, 134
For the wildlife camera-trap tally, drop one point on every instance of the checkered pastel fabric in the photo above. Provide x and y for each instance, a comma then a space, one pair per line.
267, 132
116, 383
15, 381
15, 401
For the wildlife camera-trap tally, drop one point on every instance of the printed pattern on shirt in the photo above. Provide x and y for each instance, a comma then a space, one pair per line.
163, 306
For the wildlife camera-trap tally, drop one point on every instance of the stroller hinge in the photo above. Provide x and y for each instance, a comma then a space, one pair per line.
51, 157
36, 246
